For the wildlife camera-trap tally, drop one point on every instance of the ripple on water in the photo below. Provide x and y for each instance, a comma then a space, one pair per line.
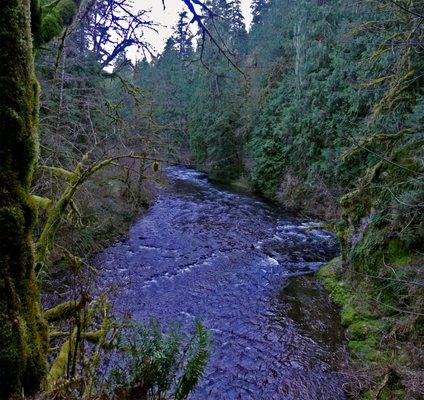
205, 252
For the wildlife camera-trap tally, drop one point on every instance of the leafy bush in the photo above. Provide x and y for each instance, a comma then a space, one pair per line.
157, 365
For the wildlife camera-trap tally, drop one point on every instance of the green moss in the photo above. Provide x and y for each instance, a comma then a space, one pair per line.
59, 365
340, 225
23, 332
328, 275
61, 311
355, 205
348, 315
365, 349
390, 387
390, 394
54, 17
366, 254
368, 328
42, 202
397, 253
50, 27
363, 329
66, 9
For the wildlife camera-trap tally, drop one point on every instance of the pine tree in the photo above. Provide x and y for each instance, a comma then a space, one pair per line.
182, 37
258, 8
238, 31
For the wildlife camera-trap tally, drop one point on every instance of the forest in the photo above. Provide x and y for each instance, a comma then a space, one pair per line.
297, 139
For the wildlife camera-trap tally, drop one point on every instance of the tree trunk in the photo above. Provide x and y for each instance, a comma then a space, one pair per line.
23, 332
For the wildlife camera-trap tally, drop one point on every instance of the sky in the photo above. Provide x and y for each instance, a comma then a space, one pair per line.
168, 18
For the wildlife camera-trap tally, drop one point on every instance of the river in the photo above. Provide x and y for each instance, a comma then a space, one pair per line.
244, 267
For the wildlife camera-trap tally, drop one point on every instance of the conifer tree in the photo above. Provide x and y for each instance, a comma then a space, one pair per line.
182, 37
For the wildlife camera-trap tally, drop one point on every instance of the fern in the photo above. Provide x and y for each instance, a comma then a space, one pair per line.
198, 354
158, 363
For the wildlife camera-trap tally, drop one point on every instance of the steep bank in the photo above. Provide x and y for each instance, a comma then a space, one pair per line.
327, 117
385, 339
379, 279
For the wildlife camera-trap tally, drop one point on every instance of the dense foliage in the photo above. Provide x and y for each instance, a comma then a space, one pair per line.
319, 106
155, 365
87, 120
324, 115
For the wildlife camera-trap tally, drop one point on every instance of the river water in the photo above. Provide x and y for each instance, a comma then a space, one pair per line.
243, 266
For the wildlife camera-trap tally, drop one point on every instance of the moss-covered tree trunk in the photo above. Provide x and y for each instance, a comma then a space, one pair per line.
23, 332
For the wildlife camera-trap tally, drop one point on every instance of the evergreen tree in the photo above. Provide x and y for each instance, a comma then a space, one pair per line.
258, 9
214, 121
182, 37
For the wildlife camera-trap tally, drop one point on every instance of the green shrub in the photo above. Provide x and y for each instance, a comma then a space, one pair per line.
157, 364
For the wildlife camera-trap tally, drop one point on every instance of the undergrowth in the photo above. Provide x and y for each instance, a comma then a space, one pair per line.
156, 365
148, 362
384, 327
